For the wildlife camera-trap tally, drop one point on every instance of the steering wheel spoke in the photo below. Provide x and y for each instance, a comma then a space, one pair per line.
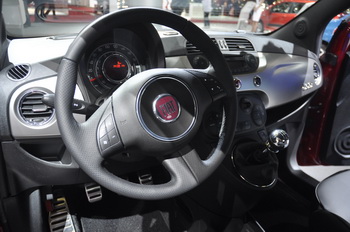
180, 173
197, 166
188, 168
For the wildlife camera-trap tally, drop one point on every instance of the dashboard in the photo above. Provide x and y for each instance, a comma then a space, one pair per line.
277, 72
273, 79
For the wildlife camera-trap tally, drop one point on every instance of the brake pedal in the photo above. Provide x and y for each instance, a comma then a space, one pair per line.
93, 192
60, 219
145, 178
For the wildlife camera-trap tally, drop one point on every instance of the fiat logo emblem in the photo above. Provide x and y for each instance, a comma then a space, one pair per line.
166, 108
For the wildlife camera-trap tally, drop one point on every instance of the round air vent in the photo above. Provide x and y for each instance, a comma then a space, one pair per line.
32, 110
18, 72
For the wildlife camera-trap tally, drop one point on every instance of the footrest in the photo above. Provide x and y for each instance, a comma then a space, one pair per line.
59, 218
93, 192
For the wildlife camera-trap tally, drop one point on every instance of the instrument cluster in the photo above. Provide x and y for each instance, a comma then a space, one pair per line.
110, 65
114, 58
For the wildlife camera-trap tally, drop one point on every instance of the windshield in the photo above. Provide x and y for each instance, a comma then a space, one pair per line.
26, 18
33, 18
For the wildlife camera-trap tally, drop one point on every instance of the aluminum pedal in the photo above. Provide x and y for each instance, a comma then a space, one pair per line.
59, 219
145, 178
93, 192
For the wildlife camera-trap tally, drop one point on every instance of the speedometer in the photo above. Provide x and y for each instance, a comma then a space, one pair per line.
111, 64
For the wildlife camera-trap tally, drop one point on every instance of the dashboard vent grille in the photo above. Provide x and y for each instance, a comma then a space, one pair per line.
235, 44
191, 49
18, 72
32, 109
214, 40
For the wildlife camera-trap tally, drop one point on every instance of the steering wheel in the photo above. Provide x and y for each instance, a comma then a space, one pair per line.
157, 112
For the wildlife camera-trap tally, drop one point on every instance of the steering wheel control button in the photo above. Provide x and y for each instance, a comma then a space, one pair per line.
213, 86
166, 108
113, 137
104, 143
102, 130
108, 136
109, 123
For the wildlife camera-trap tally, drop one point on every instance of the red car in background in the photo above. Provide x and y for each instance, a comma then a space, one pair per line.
278, 14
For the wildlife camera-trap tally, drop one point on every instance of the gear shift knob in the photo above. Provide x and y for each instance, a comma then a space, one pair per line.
278, 140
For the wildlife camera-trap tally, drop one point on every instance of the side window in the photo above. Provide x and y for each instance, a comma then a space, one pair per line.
296, 7
333, 25
282, 8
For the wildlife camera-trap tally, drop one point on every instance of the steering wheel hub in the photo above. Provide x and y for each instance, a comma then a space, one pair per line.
167, 108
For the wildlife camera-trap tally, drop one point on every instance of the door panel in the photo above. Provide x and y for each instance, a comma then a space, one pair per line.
329, 111
338, 146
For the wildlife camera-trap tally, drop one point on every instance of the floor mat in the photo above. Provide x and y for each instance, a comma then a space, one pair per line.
153, 221
283, 210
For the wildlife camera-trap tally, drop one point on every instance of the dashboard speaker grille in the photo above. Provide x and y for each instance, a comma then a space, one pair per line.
236, 44
32, 109
342, 143
18, 72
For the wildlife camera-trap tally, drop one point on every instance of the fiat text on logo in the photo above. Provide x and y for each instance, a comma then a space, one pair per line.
166, 108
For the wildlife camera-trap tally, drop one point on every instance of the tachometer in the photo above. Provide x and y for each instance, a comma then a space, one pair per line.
111, 64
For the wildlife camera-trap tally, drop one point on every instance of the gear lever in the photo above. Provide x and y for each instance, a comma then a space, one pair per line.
278, 141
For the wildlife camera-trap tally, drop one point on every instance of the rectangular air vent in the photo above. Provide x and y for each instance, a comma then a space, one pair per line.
191, 49
237, 44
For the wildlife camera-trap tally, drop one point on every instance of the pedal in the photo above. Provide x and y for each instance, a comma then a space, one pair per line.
145, 178
60, 219
93, 192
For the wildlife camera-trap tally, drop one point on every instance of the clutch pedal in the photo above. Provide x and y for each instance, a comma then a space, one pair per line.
60, 219
93, 192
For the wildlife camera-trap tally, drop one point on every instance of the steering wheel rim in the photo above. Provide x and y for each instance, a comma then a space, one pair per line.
186, 170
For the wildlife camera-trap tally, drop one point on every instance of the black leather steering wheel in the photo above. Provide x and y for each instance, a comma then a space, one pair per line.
156, 112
